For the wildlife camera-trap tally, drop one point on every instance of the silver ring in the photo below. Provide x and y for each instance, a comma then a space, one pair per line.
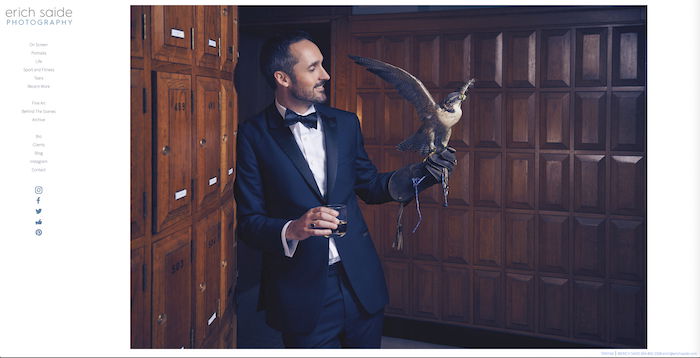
312, 226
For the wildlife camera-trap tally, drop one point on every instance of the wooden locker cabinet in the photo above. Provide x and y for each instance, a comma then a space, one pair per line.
229, 127
183, 122
229, 39
138, 147
207, 44
172, 28
173, 175
172, 291
208, 144
208, 276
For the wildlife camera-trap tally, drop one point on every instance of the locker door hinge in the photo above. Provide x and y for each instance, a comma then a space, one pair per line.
143, 27
192, 38
143, 281
143, 95
145, 211
191, 337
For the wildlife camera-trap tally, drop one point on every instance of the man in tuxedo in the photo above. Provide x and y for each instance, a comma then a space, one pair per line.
292, 159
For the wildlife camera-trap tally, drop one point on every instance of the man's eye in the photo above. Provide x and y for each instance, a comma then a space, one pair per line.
312, 68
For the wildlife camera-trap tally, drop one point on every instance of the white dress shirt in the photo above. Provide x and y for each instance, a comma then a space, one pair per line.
310, 142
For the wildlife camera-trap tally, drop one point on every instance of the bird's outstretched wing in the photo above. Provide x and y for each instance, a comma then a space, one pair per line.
408, 85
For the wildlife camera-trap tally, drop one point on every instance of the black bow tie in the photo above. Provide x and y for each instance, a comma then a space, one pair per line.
308, 120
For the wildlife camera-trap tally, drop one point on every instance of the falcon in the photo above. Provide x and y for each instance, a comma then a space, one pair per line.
438, 119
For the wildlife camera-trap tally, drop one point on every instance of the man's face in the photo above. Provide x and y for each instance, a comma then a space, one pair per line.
308, 75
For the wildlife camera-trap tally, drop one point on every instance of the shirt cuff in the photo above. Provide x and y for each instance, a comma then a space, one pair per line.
290, 246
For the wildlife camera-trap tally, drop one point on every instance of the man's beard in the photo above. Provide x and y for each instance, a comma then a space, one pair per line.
311, 95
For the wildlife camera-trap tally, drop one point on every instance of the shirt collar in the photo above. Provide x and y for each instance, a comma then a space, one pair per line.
281, 109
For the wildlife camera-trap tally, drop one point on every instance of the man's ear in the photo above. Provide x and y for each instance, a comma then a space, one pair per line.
282, 78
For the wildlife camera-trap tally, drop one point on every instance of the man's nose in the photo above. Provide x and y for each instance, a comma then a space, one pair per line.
324, 75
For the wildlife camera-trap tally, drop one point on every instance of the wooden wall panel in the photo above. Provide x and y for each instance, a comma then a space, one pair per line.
455, 59
208, 36
590, 313
520, 302
488, 59
520, 120
628, 57
627, 249
627, 183
488, 238
520, 241
554, 181
397, 123
591, 57
459, 180
556, 58
521, 60
590, 118
554, 306
488, 296
589, 183
455, 224
427, 283
426, 53
487, 119
398, 280
370, 109
426, 244
368, 47
589, 246
628, 121
456, 296
172, 28
553, 243
487, 179
627, 315
554, 120
207, 276
396, 51
520, 181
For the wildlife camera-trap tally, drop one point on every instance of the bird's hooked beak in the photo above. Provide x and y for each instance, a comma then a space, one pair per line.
463, 90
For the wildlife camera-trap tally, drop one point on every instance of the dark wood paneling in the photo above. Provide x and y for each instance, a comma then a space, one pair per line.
627, 316
397, 119
368, 47
520, 241
554, 181
456, 296
426, 278
521, 59
556, 58
628, 121
627, 249
370, 110
461, 131
626, 186
554, 306
589, 247
554, 120
455, 59
488, 59
590, 311
487, 119
589, 183
488, 238
487, 179
591, 57
628, 56
553, 243
398, 279
427, 55
520, 302
520, 120
455, 234
488, 298
426, 244
396, 51
520, 180
590, 118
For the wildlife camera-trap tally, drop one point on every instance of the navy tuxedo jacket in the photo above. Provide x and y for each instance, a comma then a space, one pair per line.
274, 184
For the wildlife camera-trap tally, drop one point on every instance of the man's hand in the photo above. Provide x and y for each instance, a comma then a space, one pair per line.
318, 221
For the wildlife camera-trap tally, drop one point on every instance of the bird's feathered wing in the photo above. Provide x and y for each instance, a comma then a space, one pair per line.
408, 85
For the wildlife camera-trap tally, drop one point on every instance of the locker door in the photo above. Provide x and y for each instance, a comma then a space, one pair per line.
172, 291
208, 276
173, 174
229, 125
208, 42
229, 40
229, 270
137, 31
138, 154
172, 29
138, 299
208, 140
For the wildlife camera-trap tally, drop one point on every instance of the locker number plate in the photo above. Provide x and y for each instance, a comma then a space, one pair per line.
211, 319
230, 171
213, 181
180, 194
212, 43
177, 33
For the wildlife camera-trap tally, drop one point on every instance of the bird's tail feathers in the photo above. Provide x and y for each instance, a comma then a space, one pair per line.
419, 142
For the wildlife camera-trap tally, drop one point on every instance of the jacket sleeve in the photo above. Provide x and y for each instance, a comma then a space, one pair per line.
254, 226
372, 187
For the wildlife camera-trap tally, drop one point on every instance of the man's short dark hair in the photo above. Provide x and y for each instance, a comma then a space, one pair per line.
275, 55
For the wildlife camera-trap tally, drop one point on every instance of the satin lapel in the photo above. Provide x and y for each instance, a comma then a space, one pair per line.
330, 135
285, 139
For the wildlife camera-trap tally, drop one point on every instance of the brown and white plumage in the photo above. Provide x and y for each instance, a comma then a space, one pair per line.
437, 119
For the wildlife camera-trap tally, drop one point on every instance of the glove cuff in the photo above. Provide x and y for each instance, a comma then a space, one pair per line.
401, 182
